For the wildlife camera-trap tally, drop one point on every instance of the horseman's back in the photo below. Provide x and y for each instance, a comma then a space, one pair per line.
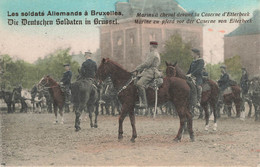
88, 69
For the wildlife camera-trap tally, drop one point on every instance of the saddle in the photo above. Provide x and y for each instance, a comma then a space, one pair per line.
155, 83
205, 87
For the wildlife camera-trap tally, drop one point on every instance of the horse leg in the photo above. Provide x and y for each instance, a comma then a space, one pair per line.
213, 107
90, 110
132, 119
61, 114
189, 123
237, 104
96, 115
182, 122
78, 112
205, 107
56, 113
121, 120
250, 107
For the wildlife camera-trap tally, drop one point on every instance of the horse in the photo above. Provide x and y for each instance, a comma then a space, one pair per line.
57, 95
7, 96
17, 98
173, 89
84, 95
109, 98
209, 92
229, 98
254, 92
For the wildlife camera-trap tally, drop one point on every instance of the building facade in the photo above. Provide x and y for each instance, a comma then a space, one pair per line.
245, 42
128, 42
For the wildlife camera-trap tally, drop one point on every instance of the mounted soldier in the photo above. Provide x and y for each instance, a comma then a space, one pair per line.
196, 70
88, 68
85, 92
65, 83
244, 82
223, 82
148, 70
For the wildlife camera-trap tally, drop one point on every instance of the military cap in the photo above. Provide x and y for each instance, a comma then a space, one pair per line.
197, 51
66, 64
223, 66
153, 43
88, 52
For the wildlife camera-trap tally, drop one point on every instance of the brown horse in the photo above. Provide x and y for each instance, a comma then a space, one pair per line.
173, 89
57, 95
209, 96
229, 98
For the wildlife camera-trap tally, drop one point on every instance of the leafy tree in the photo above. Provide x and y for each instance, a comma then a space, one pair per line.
213, 71
234, 67
176, 50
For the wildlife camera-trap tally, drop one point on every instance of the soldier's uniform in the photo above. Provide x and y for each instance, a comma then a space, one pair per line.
149, 70
88, 69
65, 82
244, 83
223, 82
196, 70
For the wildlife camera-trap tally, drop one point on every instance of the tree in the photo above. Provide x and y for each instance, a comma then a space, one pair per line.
213, 71
234, 67
176, 50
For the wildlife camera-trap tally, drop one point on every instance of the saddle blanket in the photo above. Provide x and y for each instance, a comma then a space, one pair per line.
205, 87
228, 90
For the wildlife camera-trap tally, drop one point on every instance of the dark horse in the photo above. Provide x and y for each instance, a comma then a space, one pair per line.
209, 95
57, 95
173, 89
84, 96
7, 96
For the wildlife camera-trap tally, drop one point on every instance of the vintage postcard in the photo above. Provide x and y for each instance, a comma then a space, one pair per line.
129, 82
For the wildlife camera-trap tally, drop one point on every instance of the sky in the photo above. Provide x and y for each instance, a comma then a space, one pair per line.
31, 42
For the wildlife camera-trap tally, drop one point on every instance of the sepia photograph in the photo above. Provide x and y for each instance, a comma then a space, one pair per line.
130, 83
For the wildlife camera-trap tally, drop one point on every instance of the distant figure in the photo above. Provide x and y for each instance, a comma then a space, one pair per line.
65, 82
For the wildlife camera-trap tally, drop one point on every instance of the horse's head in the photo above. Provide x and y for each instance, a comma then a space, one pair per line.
46, 81
170, 69
104, 69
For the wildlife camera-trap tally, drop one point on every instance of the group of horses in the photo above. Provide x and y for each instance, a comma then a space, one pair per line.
175, 90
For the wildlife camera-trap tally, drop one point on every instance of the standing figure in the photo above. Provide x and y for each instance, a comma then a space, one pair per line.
65, 83
196, 70
148, 70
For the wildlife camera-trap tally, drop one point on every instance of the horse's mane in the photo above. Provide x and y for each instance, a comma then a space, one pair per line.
116, 64
179, 72
52, 80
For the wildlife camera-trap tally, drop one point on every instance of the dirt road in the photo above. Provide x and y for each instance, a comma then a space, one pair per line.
33, 139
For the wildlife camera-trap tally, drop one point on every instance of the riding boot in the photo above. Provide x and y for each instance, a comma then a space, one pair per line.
142, 97
199, 95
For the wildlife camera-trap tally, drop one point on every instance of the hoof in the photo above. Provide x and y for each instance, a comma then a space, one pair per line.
55, 122
132, 140
77, 129
120, 137
61, 122
206, 127
95, 126
177, 140
192, 139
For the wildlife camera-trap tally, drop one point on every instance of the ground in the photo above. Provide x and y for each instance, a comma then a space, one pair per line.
32, 139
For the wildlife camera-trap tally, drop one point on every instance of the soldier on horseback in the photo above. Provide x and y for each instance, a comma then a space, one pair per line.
196, 70
65, 83
147, 72
223, 82
88, 67
244, 82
